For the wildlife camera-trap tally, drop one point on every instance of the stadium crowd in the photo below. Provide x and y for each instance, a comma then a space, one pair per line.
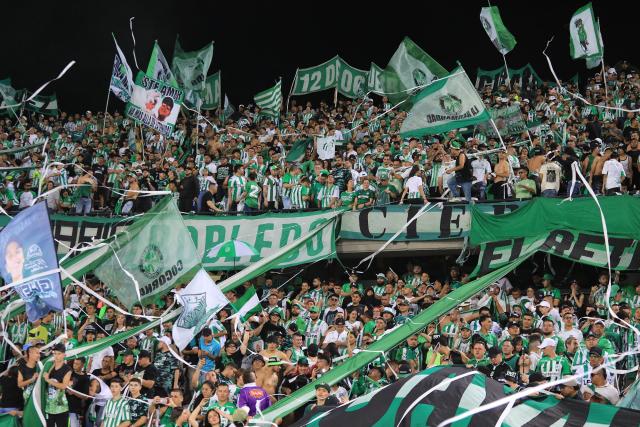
521, 336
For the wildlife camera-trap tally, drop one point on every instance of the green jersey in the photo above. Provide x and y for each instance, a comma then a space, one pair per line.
253, 193
228, 408
237, 186
347, 198
363, 196
553, 368
116, 412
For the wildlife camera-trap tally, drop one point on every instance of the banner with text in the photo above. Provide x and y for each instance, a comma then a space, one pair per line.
447, 222
335, 73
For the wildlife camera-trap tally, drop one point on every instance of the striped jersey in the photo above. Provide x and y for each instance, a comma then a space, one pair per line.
271, 186
116, 412
236, 185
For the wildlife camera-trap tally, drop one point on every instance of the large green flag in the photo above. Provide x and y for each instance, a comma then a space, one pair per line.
449, 103
594, 61
190, 68
314, 79
270, 100
43, 104
211, 94
158, 68
352, 82
154, 255
9, 96
501, 38
298, 150
583, 36
247, 305
410, 66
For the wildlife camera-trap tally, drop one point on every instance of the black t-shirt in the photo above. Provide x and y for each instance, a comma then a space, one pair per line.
208, 197
223, 173
269, 329
98, 373
26, 371
149, 373
80, 383
125, 369
100, 172
11, 393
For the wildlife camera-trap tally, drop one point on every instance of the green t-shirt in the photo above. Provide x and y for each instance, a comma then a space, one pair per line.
347, 197
553, 368
364, 196
521, 193
253, 193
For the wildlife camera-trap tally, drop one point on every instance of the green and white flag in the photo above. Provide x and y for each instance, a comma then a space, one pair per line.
228, 109
190, 68
121, 76
158, 68
247, 305
43, 104
154, 103
583, 37
211, 92
298, 150
352, 82
315, 79
200, 301
270, 100
151, 258
374, 79
595, 61
449, 103
410, 66
9, 96
501, 38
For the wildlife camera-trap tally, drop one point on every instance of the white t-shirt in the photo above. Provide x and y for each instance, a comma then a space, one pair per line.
551, 173
412, 185
564, 334
334, 336
614, 171
481, 167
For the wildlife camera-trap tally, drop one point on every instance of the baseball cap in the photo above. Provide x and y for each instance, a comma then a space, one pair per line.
571, 382
59, 347
510, 324
144, 353
127, 353
380, 276
544, 304
324, 386
314, 309
324, 172
547, 342
511, 376
455, 145
338, 321
465, 326
404, 369
596, 351
599, 321
303, 361
590, 335
389, 310
547, 276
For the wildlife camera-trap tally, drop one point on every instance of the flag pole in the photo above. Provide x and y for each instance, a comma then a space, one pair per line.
104, 122
293, 83
498, 132
604, 79
506, 70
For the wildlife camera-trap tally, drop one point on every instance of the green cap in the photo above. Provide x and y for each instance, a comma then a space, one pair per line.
324, 172
456, 145
314, 309
547, 276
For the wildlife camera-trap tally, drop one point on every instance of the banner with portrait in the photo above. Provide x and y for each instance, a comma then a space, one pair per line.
28, 261
155, 104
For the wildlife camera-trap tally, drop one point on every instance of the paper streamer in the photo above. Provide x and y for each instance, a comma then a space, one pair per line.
133, 37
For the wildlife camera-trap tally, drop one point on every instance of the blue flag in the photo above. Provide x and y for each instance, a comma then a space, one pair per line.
28, 259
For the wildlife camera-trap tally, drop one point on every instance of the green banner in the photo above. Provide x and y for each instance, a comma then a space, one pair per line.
352, 82
318, 78
211, 95
508, 120
43, 104
21, 149
374, 79
387, 342
267, 233
523, 77
568, 229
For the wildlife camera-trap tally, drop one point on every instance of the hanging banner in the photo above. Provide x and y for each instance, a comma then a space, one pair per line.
267, 233
570, 229
524, 77
451, 221
26, 251
318, 78
155, 104
508, 120
353, 82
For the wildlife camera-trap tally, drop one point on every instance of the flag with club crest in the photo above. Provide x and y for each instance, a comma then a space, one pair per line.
190, 68
410, 66
449, 103
492, 23
201, 299
583, 35
270, 100
121, 76
158, 68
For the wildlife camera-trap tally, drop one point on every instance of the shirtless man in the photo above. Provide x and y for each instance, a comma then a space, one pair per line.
500, 188
595, 178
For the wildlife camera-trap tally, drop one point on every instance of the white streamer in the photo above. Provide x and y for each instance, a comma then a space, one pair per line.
133, 37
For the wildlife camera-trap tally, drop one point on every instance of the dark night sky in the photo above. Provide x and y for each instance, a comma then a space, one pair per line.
255, 42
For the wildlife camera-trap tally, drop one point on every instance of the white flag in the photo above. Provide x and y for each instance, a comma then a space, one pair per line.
121, 76
583, 38
200, 301
326, 147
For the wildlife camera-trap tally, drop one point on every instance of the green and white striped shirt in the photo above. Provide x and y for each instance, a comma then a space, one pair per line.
236, 184
116, 412
271, 184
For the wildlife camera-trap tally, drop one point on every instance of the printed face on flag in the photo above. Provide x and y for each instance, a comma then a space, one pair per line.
27, 250
584, 39
155, 103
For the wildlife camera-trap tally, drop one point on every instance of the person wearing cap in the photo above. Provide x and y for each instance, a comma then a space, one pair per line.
598, 329
551, 365
167, 366
323, 398
58, 379
570, 389
496, 369
147, 372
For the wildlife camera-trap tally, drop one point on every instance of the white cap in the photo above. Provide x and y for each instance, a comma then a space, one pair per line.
552, 98
612, 71
165, 339
526, 100
544, 304
547, 342
609, 393
599, 140
599, 321
389, 310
